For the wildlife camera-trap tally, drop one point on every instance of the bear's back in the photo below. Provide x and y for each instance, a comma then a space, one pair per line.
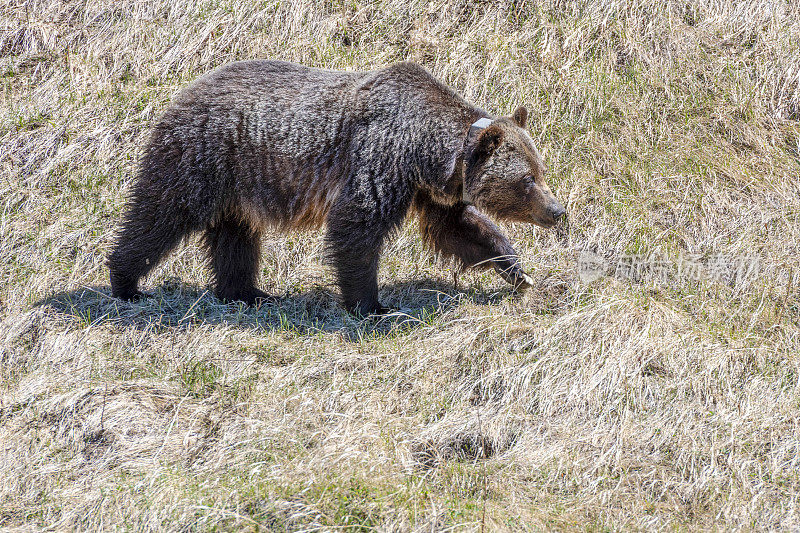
283, 95
306, 113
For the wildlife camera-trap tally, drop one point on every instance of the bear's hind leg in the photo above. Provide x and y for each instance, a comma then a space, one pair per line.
234, 247
146, 235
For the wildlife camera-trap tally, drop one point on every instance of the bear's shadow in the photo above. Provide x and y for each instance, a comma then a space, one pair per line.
310, 312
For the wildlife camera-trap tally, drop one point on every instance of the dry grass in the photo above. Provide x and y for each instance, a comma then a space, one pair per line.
670, 128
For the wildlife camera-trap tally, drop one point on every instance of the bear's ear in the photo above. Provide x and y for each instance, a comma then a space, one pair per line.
488, 141
521, 116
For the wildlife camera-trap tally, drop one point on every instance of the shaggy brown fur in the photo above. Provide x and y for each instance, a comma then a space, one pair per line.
261, 144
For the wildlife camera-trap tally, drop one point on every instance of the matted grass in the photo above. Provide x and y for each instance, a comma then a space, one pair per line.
671, 131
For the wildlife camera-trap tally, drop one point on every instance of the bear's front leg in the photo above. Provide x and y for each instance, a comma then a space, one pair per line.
462, 232
354, 257
353, 245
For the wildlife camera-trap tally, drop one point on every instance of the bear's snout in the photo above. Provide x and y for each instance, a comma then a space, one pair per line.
557, 211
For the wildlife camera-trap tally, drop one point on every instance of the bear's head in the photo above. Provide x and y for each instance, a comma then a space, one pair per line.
505, 174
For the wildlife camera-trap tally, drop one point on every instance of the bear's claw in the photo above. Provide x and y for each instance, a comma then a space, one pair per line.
523, 282
516, 277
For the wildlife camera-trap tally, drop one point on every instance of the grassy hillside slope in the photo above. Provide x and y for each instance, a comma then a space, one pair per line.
672, 135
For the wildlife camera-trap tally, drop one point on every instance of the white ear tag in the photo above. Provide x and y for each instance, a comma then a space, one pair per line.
480, 124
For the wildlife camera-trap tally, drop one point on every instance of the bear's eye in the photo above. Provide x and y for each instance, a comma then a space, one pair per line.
528, 181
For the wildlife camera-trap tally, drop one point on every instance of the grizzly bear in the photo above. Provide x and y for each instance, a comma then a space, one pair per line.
256, 145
